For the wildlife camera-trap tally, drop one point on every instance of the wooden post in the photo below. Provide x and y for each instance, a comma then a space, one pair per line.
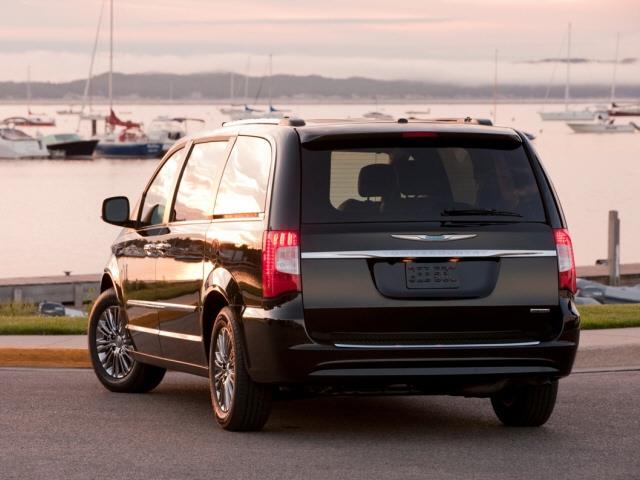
78, 295
613, 257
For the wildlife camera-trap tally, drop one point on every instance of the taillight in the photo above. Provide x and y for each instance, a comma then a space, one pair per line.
280, 262
566, 264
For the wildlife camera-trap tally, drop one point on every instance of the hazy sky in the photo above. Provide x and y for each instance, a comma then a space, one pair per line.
448, 40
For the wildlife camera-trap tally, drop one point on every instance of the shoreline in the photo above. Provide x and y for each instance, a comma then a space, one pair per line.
319, 101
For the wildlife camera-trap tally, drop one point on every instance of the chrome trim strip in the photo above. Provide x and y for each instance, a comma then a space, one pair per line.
161, 305
428, 254
427, 346
164, 333
180, 336
138, 328
539, 310
435, 238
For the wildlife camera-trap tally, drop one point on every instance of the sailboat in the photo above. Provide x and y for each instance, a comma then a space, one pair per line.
376, 114
566, 114
31, 119
252, 113
604, 123
131, 141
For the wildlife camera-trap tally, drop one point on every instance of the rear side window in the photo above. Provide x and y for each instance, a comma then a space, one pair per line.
243, 188
418, 183
194, 198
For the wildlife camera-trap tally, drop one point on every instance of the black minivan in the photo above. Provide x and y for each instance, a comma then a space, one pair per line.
349, 257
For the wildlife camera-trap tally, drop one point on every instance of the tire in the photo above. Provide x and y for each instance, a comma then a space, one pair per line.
525, 405
109, 347
239, 403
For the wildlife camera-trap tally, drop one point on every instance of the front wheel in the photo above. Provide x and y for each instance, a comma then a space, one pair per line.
525, 405
110, 348
238, 402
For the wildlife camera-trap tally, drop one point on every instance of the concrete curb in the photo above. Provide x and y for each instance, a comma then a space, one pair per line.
45, 357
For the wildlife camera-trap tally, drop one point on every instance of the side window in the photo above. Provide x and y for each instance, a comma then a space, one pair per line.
160, 192
243, 188
194, 200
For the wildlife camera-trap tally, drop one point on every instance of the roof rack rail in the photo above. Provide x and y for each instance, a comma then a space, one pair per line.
284, 121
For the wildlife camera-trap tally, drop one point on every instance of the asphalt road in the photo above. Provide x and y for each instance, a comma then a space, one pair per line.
63, 424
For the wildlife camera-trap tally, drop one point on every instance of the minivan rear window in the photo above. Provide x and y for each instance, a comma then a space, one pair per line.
415, 183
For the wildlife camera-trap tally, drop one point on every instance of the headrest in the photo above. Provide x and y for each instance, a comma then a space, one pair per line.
423, 176
376, 180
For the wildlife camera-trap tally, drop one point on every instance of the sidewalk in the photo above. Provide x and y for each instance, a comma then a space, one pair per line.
619, 347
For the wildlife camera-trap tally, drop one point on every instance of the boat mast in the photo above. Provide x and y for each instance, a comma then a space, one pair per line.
231, 88
495, 86
246, 82
270, 74
615, 68
86, 97
29, 88
566, 87
111, 57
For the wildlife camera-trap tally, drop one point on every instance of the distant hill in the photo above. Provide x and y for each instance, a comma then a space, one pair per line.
216, 86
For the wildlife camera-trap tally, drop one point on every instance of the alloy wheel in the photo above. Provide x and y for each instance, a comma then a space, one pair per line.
113, 344
224, 369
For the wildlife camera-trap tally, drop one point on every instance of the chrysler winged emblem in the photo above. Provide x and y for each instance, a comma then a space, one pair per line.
448, 237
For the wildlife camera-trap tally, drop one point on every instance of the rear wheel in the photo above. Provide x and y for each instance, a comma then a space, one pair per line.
525, 405
238, 402
110, 348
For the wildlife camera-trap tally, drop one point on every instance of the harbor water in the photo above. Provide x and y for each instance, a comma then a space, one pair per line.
50, 209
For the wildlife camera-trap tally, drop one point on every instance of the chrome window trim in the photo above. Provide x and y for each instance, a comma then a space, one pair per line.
161, 305
428, 254
437, 346
164, 333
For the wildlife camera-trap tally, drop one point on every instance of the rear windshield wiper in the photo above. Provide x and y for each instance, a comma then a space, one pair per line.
479, 211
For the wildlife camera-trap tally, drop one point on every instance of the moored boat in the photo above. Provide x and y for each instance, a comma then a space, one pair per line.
16, 144
603, 127
567, 115
624, 110
32, 120
130, 142
167, 130
69, 145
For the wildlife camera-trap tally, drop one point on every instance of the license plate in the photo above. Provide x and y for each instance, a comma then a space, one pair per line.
431, 275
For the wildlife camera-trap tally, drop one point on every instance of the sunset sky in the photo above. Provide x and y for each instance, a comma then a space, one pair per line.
448, 40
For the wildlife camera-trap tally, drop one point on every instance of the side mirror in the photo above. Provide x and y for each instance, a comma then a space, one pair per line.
115, 210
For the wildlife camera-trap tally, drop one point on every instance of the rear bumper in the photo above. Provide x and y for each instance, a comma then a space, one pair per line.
281, 352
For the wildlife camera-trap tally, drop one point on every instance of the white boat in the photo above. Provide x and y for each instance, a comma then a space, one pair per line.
167, 130
566, 114
15, 144
377, 116
603, 127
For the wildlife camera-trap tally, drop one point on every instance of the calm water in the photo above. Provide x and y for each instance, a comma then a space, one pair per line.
50, 209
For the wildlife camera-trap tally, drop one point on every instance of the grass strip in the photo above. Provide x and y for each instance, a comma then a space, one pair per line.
595, 317
38, 325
